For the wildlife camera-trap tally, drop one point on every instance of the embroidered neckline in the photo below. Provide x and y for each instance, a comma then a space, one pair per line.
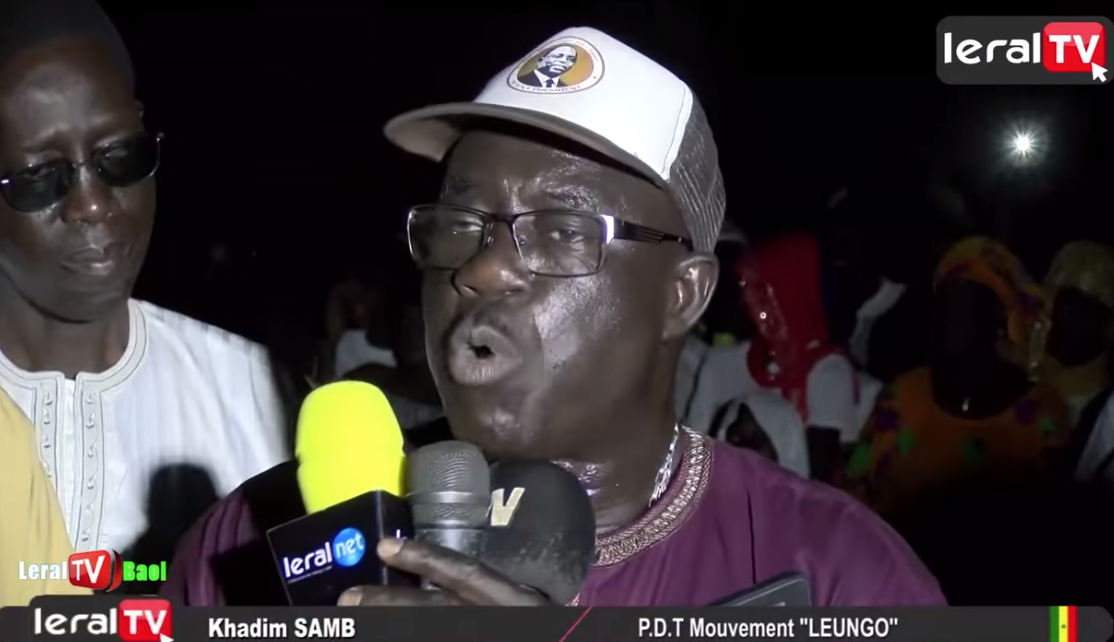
134, 353
668, 514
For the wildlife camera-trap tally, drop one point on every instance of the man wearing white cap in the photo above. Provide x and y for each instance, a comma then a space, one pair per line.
567, 256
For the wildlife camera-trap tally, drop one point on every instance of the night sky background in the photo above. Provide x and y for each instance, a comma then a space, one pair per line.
273, 113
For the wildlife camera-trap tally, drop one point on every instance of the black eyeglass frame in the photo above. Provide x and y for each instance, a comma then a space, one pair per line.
74, 167
614, 228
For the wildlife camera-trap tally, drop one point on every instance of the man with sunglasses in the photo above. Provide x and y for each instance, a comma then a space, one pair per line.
567, 257
121, 392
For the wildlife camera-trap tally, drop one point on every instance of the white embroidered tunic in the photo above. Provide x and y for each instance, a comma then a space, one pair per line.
184, 393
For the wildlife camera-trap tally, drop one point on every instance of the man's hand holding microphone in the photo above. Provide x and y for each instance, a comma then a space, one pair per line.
517, 534
461, 580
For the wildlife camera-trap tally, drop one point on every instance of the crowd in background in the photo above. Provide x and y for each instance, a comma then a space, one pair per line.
962, 399
969, 407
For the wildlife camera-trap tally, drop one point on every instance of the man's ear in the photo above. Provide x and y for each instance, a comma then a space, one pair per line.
139, 106
694, 281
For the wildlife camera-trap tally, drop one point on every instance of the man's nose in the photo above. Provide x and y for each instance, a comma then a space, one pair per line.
89, 199
496, 271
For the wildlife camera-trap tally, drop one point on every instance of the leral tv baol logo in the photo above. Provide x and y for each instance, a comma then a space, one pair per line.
346, 549
1015, 50
105, 570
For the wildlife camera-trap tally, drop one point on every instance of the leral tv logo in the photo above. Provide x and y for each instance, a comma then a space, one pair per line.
1013, 50
132, 620
144, 620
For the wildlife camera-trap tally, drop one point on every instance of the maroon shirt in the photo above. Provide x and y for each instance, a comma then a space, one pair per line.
729, 520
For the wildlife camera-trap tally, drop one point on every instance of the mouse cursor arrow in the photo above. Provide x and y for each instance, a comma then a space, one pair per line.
1098, 72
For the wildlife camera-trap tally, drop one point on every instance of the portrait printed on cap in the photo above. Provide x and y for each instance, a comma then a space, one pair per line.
562, 66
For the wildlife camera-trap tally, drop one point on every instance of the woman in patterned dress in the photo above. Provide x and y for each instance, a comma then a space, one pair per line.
975, 412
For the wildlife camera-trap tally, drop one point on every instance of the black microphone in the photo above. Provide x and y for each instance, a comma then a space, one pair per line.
350, 462
449, 494
542, 530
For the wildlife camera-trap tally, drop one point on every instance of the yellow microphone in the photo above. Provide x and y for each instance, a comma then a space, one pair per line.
350, 472
348, 443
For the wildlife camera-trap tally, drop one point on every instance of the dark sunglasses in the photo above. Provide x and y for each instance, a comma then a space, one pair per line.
120, 164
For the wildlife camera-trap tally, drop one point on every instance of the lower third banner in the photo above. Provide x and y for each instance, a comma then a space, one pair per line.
101, 618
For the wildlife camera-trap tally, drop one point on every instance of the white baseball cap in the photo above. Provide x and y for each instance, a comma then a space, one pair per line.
588, 87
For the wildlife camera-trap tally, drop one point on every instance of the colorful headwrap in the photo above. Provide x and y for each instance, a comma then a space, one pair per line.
780, 282
1086, 266
990, 263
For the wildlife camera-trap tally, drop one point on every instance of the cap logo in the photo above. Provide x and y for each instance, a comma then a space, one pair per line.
561, 66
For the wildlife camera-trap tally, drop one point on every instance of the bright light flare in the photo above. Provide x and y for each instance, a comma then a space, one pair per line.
1024, 146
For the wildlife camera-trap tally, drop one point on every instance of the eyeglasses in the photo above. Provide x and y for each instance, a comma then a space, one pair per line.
551, 242
120, 164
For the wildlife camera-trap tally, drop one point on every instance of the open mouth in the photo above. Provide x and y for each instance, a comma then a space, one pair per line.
479, 355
